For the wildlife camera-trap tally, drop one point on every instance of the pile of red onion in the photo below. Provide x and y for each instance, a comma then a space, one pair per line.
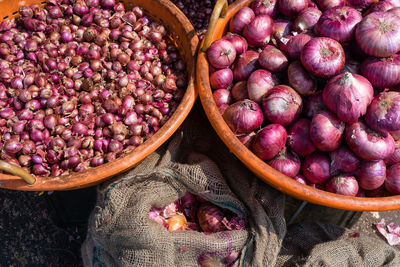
313, 89
82, 83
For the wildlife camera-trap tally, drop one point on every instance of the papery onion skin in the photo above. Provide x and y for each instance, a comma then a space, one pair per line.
295, 45
280, 29
323, 57
307, 19
395, 157
382, 72
221, 79
371, 174
243, 17
238, 42
383, 114
221, 54
328, 4
326, 131
303, 82
258, 31
316, 167
392, 183
299, 140
243, 116
246, 139
368, 144
269, 141
259, 83
282, 105
210, 218
378, 34
343, 160
348, 96
343, 184
286, 162
239, 91
273, 59
339, 23
265, 7
291, 8
245, 65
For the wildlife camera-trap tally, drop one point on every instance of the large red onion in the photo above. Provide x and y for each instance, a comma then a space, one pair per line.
328, 4
304, 83
383, 114
269, 141
243, 116
258, 84
392, 183
221, 79
294, 45
395, 157
299, 140
339, 23
316, 167
273, 59
378, 34
238, 42
243, 17
265, 7
343, 184
245, 65
282, 105
239, 91
258, 31
323, 57
348, 95
307, 19
382, 72
221, 54
286, 162
326, 131
371, 174
343, 160
291, 8
368, 144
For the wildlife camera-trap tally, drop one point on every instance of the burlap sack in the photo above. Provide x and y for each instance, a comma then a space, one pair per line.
120, 233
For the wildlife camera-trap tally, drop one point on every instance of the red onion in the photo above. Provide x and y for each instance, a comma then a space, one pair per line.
273, 59
286, 162
295, 45
246, 139
245, 65
339, 23
371, 174
258, 31
307, 19
243, 17
326, 131
259, 83
222, 96
348, 95
343, 184
210, 218
299, 140
395, 11
238, 42
269, 141
368, 144
221, 78
360, 4
291, 8
383, 112
282, 105
395, 157
265, 7
280, 29
378, 34
314, 105
316, 167
323, 57
392, 183
239, 91
343, 160
301, 179
328, 4
382, 72
221, 54
381, 6
243, 116
304, 83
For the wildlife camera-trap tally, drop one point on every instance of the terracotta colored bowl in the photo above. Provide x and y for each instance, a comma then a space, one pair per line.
184, 36
266, 173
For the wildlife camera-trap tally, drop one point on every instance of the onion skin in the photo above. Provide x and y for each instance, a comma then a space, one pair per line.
210, 218
378, 34
314, 105
221, 79
245, 65
301, 179
295, 45
222, 96
323, 57
286, 163
343, 160
343, 184
360, 4
259, 83
291, 8
326, 131
221, 54
258, 31
382, 72
328, 4
304, 83
238, 42
280, 29
265, 7
273, 59
395, 157
243, 116
282, 105
247, 139
307, 19
383, 114
339, 23
316, 167
177, 223
243, 17
348, 95
269, 141
239, 91
368, 144
371, 174
299, 140
392, 183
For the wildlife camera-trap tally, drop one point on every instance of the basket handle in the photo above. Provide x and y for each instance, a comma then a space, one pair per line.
220, 9
15, 170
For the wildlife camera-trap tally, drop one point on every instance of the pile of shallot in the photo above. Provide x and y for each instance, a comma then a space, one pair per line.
82, 82
313, 89
192, 212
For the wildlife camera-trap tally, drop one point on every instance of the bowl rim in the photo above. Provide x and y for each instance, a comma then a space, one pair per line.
96, 175
261, 169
